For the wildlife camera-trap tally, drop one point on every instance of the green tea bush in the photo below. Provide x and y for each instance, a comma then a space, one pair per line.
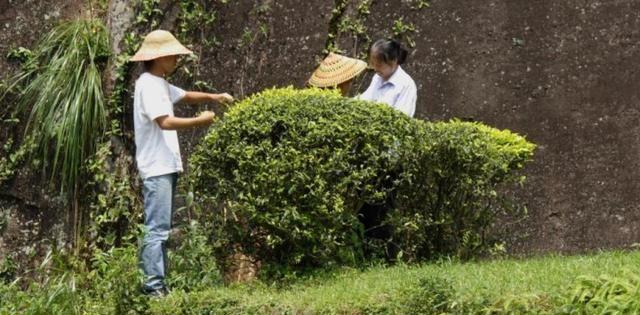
291, 169
288, 171
448, 193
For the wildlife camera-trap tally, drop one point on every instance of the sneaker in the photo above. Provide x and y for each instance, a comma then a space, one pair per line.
156, 293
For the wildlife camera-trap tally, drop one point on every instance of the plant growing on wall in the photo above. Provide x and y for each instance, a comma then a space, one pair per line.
60, 88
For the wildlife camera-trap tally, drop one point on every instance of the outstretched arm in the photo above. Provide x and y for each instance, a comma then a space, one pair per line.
193, 97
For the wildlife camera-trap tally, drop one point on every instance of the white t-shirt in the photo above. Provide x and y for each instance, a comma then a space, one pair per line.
157, 150
399, 91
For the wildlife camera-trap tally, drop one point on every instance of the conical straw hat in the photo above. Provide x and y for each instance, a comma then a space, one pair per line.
159, 44
336, 69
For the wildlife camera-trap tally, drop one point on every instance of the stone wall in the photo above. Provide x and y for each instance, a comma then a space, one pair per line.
29, 224
563, 73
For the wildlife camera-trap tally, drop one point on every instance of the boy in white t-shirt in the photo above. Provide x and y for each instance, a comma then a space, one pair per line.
157, 150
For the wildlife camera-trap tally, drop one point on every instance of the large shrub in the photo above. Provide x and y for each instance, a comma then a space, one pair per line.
288, 171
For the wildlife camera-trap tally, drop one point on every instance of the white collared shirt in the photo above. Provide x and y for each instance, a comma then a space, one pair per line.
399, 92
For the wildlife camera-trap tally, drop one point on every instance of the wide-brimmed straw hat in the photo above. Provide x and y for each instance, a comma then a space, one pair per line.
159, 44
336, 69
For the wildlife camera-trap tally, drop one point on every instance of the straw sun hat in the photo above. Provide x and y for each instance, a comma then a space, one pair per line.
159, 44
336, 69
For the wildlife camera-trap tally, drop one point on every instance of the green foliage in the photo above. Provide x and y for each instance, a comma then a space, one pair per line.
212, 302
114, 202
195, 21
98, 7
432, 295
334, 25
117, 280
56, 292
10, 164
21, 54
290, 170
606, 283
66, 286
109, 282
448, 197
400, 27
404, 30
117, 99
535, 286
355, 27
194, 16
516, 304
192, 265
57, 295
149, 13
61, 86
3, 221
605, 294
349, 25
420, 4
8, 268
110, 192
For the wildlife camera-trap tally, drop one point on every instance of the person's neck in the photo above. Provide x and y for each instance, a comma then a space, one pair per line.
391, 75
157, 72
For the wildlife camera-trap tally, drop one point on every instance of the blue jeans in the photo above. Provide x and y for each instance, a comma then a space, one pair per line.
158, 194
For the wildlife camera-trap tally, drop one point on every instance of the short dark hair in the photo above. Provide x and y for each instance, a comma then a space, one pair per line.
389, 50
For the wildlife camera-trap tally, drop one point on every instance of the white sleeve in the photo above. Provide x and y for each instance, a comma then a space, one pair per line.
176, 93
156, 101
406, 101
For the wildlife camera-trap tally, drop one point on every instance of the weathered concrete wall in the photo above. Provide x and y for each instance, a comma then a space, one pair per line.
563, 73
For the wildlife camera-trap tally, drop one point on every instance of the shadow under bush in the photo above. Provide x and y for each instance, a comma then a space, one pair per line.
287, 171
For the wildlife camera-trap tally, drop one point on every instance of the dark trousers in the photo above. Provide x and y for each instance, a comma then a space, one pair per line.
372, 217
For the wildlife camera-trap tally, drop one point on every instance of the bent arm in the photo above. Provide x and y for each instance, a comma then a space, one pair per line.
176, 123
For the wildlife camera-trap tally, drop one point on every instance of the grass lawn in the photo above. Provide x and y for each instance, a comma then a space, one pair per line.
535, 285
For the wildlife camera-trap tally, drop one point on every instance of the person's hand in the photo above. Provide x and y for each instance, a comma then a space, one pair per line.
225, 98
207, 117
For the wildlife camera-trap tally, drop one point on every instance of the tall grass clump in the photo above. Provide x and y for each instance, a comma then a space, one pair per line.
60, 88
